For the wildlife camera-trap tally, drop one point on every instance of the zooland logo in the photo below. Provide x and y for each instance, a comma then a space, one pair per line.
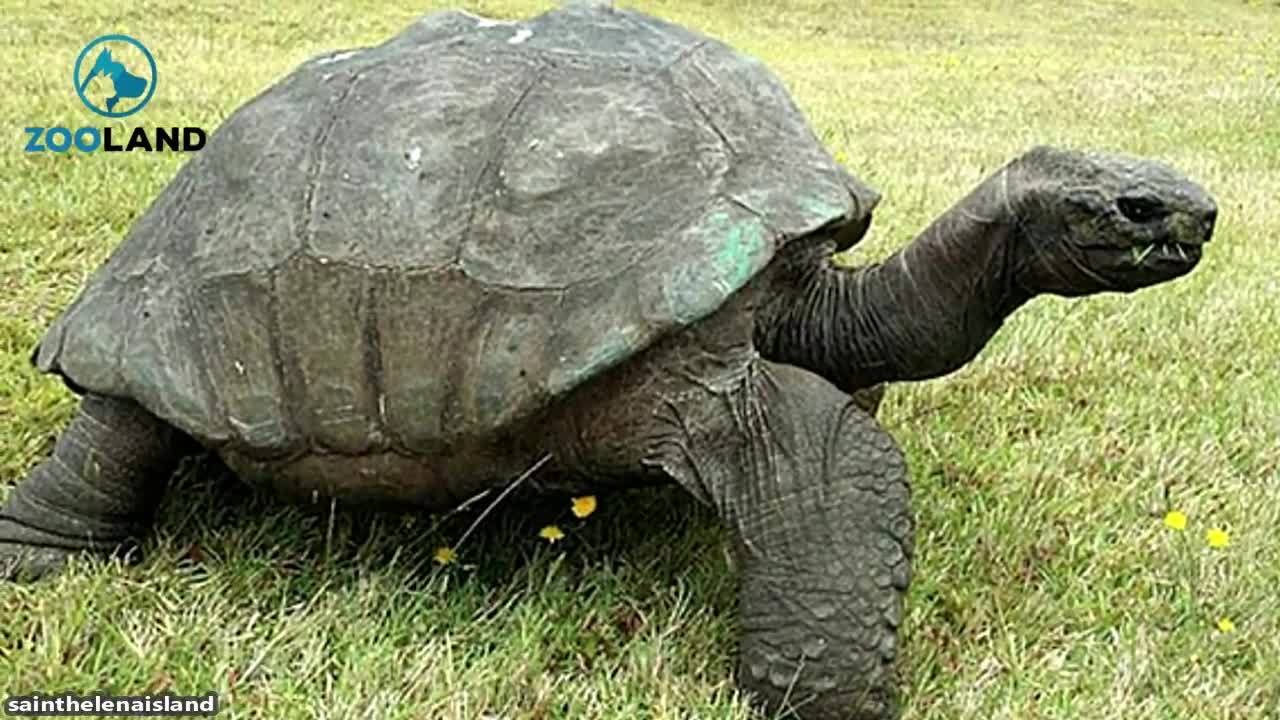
124, 84
115, 77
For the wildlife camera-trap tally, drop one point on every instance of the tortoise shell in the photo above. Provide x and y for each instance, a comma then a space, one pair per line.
436, 237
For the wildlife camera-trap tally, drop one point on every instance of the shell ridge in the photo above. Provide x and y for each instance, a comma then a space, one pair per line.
316, 159
491, 161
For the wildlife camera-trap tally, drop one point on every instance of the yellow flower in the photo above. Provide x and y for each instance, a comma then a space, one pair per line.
445, 555
1217, 537
584, 506
1225, 625
551, 533
1175, 520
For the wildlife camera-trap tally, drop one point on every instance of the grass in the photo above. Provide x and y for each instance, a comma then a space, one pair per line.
1047, 585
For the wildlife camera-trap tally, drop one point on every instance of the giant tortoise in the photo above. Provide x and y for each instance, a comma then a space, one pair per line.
403, 274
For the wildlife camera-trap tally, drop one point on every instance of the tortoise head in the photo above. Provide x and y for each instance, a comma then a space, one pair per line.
1094, 222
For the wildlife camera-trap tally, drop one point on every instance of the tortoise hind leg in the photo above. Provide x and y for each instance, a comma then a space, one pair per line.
96, 493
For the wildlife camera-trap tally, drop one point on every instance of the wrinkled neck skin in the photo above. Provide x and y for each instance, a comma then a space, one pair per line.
921, 313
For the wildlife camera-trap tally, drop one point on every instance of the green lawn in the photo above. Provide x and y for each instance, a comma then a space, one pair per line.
1047, 585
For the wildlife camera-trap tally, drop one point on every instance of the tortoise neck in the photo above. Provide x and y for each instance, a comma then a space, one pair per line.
923, 312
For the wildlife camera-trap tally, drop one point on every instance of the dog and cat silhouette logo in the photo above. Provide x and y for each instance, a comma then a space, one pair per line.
129, 67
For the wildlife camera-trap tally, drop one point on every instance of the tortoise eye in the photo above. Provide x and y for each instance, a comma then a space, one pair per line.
1141, 209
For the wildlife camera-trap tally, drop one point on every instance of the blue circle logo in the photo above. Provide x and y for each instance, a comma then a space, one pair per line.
118, 59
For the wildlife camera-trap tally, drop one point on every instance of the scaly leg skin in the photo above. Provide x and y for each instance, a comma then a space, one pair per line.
96, 493
818, 496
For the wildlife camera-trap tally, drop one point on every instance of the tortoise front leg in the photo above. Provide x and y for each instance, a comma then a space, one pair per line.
97, 492
817, 495
815, 492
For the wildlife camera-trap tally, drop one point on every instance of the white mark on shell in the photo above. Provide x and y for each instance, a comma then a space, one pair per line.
483, 22
337, 57
413, 157
521, 35
239, 367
